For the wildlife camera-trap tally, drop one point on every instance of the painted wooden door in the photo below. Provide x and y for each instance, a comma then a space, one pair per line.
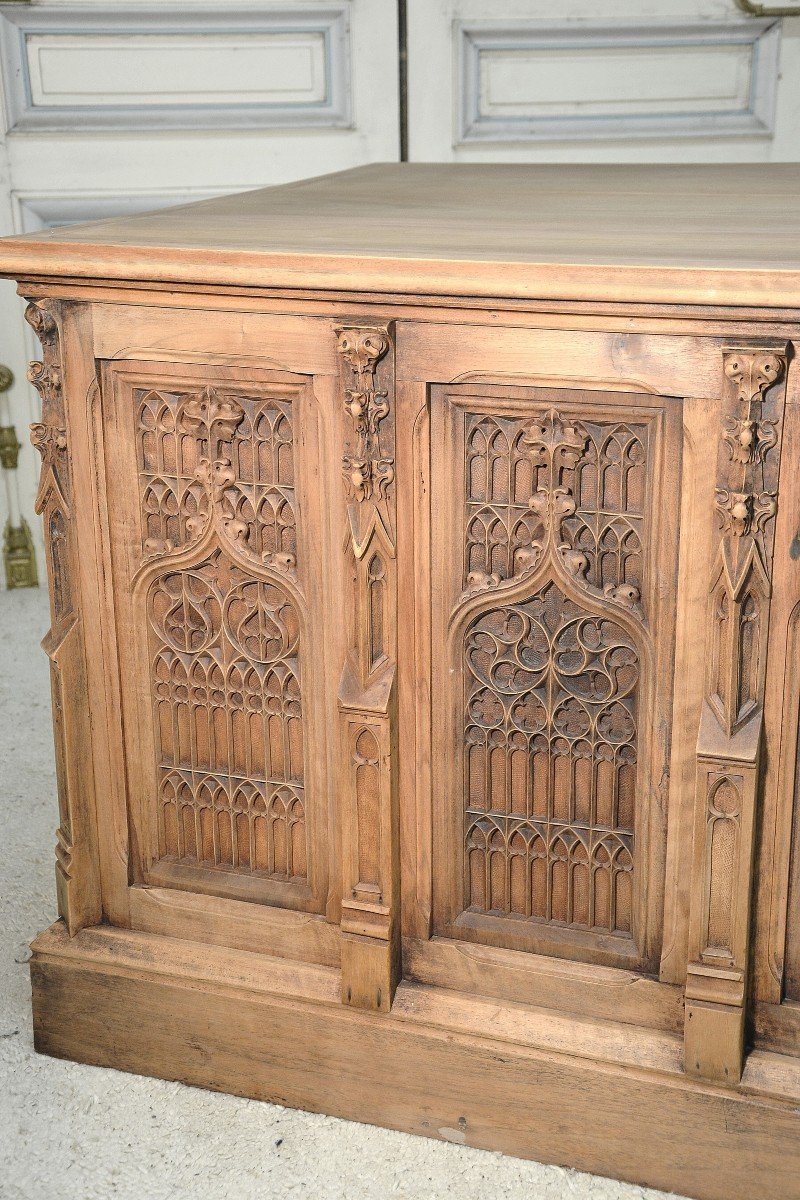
629, 81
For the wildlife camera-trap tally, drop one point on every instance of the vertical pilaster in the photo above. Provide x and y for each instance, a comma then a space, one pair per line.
77, 874
367, 692
730, 735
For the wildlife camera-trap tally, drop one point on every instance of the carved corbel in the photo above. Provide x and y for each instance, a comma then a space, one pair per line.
367, 700
730, 735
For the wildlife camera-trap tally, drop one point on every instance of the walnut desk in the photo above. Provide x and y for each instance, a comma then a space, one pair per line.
425, 581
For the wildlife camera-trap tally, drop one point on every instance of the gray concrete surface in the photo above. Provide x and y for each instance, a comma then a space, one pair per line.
81, 1133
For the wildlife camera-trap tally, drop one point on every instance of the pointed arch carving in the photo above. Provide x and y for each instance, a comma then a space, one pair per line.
551, 669
556, 489
220, 582
212, 457
551, 705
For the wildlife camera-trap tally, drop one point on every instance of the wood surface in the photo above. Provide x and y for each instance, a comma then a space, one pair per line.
660, 234
423, 666
442, 1064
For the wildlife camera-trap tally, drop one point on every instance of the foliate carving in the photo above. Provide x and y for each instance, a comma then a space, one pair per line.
743, 513
730, 735
208, 458
480, 581
46, 379
363, 347
551, 698
367, 704
53, 497
555, 485
752, 372
51, 442
207, 412
745, 503
228, 720
748, 441
43, 323
49, 435
367, 465
76, 867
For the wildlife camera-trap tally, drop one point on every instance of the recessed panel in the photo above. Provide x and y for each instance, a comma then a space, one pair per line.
547, 551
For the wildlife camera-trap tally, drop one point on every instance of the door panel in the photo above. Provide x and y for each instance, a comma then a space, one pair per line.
494, 81
548, 834
216, 537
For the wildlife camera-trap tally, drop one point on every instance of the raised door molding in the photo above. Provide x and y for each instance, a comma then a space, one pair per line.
178, 67
530, 81
525, 81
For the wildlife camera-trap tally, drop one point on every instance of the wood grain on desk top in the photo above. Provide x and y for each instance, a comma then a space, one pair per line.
720, 234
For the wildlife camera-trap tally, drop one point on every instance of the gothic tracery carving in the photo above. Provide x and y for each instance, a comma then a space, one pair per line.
207, 456
550, 763
552, 689
228, 718
575, 488
225, 642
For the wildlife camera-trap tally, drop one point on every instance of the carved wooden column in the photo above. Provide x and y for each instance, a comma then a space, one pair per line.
729, 742
77, 879
367, 692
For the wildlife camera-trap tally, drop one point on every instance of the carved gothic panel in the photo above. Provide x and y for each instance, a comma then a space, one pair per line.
550, 771
228, 715
585, 478
224, 611
250, 443
552, 827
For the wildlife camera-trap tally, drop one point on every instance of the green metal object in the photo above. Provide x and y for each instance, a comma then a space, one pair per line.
19, 557
9, 447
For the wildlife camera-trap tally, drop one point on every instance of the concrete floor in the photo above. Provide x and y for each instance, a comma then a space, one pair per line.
69, 1132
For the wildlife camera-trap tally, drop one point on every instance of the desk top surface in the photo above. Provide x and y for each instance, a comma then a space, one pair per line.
719, 234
